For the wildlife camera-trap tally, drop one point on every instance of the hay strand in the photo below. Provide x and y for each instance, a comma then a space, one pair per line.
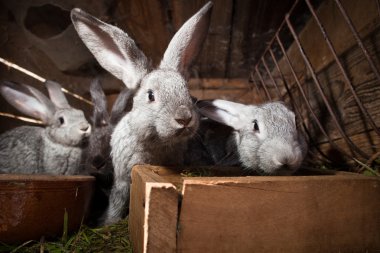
26, 119
41, 79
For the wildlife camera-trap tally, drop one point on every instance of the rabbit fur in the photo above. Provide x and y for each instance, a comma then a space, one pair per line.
263, 138
163, 117
55, 149
97, 159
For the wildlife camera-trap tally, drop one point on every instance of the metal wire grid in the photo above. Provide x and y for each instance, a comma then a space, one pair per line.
262, 68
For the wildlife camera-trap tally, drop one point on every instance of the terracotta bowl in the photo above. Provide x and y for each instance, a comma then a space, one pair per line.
32, 206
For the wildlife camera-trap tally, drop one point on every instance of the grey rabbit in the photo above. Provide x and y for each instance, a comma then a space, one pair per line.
98, 160
261, 138
163, 117
54, 149
97, 157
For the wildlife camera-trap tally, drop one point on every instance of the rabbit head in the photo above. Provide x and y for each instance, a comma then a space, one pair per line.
265, 136
162, 107
165, 108
64, 124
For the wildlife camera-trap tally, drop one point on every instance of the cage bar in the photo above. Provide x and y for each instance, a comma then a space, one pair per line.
358, 39
340, 65
323, 95
263, 84
295, 106
353, 149
270, 75
254, 83
298, 82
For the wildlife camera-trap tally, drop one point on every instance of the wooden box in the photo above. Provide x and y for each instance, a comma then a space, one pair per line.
339, 212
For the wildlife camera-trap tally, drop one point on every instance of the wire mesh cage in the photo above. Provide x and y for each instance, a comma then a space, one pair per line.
325, 65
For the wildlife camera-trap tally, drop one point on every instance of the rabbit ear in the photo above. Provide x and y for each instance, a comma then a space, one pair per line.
100, 116
114, 49
56, 95
231, 107
225, 112
186, 44
37, 106
120, 104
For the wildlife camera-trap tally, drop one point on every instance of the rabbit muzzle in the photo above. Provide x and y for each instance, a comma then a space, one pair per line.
279, 156
85, 130
186, 121
286, 160
183, 116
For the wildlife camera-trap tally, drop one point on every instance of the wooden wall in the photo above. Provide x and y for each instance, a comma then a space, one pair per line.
237, 36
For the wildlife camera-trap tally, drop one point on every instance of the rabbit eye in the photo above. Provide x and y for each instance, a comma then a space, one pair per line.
150, 96
255, 126
61, 120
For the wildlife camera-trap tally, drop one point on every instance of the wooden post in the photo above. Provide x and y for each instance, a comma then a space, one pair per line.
153, 212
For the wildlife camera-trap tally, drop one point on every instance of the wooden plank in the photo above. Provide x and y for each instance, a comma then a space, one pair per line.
364, 16
137, 210
340, 97
237, 61
147, 22
153, 211
253, 25
238, 95
366, 20
212, 59
235, 89
161, 211
280, 214
221, 83
367, 141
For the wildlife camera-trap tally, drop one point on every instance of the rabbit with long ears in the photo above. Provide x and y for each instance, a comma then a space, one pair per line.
262, 137
55, 149
97, 156
162, 118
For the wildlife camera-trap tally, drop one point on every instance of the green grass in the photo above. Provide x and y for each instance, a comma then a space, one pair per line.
366, 169
114, 238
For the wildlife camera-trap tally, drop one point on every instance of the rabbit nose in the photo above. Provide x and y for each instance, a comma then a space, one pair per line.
85, 128
183, 116
184, 121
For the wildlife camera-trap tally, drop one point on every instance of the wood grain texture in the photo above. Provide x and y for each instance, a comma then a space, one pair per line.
253, 25
238, 90
147, 23
316, 213
161, 202
33, 206
213, 57
153, 210
280, 214
366, 20
367, 141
